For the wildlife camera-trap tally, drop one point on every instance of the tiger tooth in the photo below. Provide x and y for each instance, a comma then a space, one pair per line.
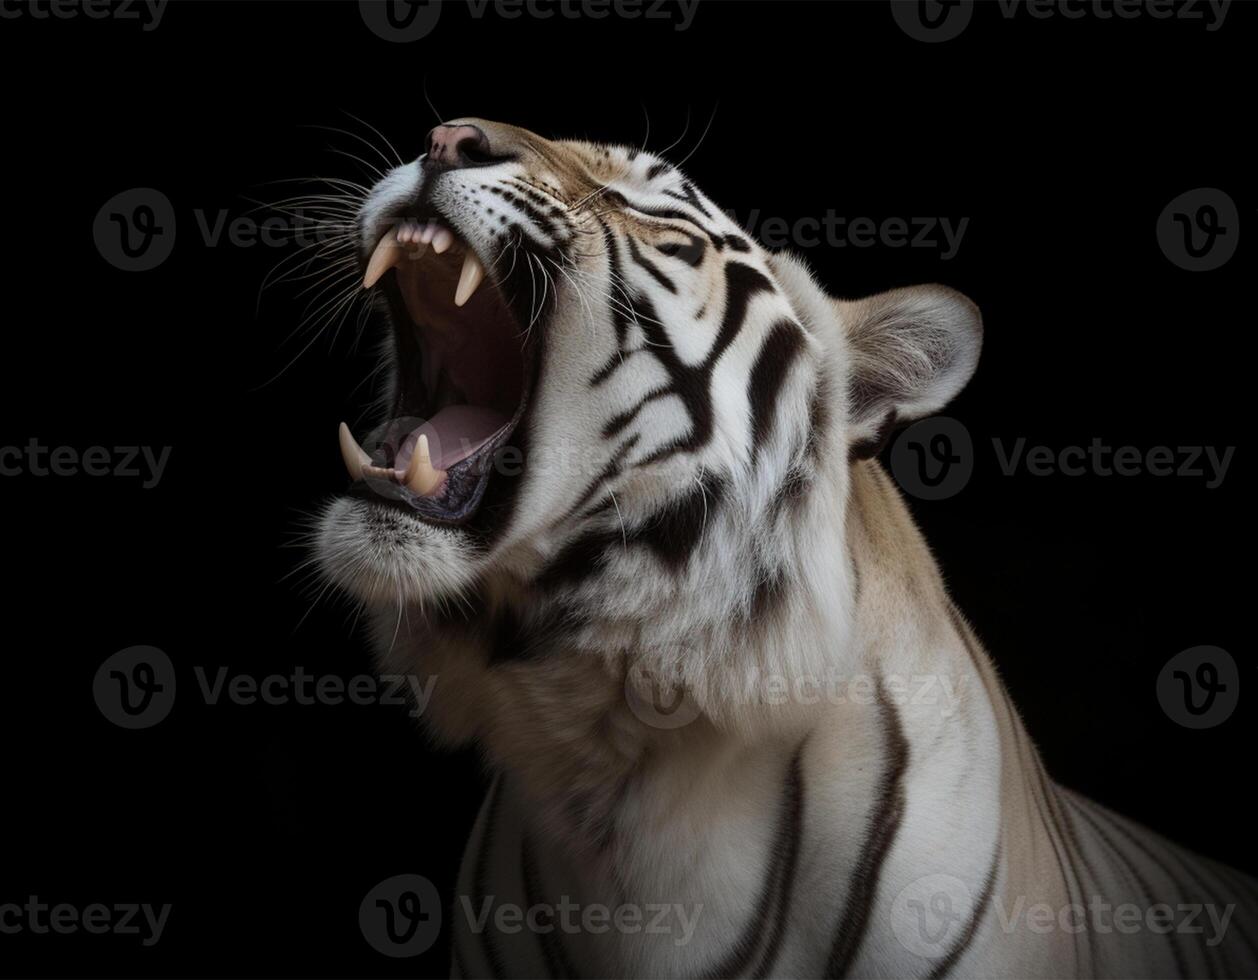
383, 473
387, 254
442, 239
353, 454
420, 475
470, 278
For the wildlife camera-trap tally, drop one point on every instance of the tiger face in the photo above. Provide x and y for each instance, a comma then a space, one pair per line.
593, 370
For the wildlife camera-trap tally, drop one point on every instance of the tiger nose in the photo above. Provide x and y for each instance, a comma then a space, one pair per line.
456, 146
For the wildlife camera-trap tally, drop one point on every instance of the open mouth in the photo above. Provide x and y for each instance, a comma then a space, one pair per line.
462, 387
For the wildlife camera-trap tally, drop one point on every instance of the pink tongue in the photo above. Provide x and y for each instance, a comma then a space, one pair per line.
454, 434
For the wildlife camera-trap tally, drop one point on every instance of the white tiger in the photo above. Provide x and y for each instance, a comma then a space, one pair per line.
628, 450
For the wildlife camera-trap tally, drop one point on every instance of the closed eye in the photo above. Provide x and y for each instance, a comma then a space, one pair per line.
690, 251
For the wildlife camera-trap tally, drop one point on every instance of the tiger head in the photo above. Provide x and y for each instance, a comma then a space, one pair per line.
605, 401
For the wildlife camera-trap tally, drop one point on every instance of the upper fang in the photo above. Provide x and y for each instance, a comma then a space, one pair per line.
470, 278
386, 255
353, 454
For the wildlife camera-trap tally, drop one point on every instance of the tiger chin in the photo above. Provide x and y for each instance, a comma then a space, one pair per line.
623, 507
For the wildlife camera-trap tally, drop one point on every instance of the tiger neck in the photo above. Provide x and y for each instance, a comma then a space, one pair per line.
583, 705
617, 808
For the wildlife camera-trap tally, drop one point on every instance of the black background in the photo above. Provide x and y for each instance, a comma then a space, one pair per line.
264, 826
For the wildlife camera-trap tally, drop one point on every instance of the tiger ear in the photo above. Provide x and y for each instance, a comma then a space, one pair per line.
912, 350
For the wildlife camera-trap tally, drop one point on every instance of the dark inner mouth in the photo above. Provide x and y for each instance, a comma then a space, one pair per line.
462, 386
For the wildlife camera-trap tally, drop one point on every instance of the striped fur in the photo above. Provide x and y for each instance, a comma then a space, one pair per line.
852, 793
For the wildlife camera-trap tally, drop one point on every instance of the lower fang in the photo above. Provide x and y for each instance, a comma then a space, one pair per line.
421, 476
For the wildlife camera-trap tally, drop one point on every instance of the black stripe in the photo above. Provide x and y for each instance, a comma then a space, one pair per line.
1191, 891
612, 470
786, 880
875, 444
553, 951
691, 253
1056, 840
884, 822
777, 354
674, 214
1236, 889
1066, 830
693, 384
674, 533
606, 371
1216, 956
691, 197
651, 268
1146, 893
620, 320
579, 559
1032, 774
944, 966
779, 881
537, 197
690, 383
616, 424
541, 222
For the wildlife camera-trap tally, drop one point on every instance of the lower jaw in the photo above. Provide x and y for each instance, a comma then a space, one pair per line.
457, 501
